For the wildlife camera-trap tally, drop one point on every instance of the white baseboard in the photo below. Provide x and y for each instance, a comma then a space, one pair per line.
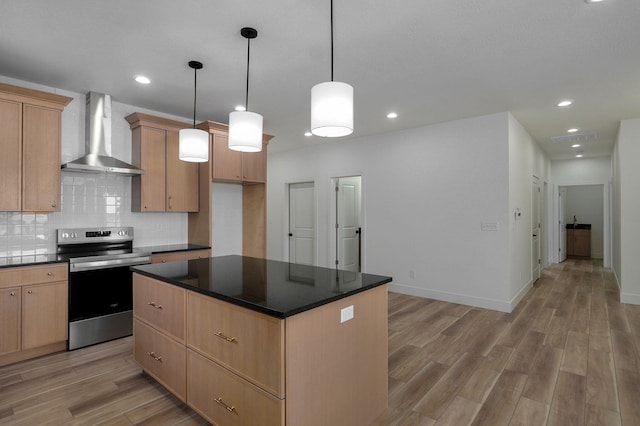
633, 299
480, 302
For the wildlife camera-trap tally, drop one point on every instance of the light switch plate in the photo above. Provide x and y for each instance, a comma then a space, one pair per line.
489, 226
346, 314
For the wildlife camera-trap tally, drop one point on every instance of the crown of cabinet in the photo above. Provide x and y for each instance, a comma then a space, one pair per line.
33, 97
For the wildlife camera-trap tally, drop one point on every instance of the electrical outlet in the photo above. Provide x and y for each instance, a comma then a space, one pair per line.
412, 274
346, 314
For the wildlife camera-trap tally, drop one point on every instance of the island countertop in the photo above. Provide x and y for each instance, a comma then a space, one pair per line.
275, 288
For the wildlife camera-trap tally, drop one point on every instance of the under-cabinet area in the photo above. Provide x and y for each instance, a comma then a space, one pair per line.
579, 241
243, 346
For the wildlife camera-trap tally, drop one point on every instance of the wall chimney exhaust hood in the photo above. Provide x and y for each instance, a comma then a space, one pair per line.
98, 141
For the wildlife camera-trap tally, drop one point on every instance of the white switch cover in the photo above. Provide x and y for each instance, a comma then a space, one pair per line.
346, 314
489, 226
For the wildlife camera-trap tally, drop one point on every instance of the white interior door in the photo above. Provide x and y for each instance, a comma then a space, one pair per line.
302, 223
535, 229
348, 226
562, 224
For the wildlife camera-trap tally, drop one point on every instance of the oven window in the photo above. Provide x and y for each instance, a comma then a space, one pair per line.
100, 292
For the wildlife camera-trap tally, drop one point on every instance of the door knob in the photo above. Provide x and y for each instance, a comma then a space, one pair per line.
290, 234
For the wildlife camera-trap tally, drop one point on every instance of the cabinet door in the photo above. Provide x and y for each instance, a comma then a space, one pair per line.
161, 305
227, 163
163, 358
182, 179
254, 166
9, 320
10, 160
245, 341
40, 159
44, 314
152, 161
225, 399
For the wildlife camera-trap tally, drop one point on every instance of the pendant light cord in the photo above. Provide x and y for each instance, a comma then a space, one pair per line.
246, 98
331, 40
195, 91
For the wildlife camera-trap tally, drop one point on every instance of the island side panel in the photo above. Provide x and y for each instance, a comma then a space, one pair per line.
337, 372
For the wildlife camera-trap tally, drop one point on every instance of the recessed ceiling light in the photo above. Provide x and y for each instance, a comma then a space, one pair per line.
392, 115
142, 79
307, 134
575, 145
572, 130
565, 103
240, 108
579, 155
593, 1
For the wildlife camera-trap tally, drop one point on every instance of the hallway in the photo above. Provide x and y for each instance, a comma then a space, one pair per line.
568, 354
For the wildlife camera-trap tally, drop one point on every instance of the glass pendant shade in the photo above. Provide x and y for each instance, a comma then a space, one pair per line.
332, 109
245, 131
193, 145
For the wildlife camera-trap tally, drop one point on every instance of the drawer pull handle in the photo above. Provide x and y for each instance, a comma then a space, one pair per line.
228, 339
154, 356
13, 293
30, 291
155, 305
231, 409
50, 274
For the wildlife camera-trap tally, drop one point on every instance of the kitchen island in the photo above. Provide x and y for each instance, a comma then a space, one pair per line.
247, 341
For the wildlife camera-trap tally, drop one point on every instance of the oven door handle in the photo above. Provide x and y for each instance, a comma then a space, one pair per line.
103, 264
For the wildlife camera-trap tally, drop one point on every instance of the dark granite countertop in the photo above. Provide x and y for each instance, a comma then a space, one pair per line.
279, 289
30, 260
578, 226
166, 248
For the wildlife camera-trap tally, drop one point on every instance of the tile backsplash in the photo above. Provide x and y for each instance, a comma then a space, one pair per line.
88, 200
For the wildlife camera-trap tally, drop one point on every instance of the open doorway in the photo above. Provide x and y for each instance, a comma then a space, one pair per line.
585, 203
347, 235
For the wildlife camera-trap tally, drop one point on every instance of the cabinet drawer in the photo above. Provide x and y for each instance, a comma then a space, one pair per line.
161, 357
226, 399
26, 275
159, 304
180, 255
245, 341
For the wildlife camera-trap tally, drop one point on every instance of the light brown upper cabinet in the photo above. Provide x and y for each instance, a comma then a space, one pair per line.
168, 184
30, 137
234, 166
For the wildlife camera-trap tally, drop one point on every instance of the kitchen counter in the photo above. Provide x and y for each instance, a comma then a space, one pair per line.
166, 248
278, 289
30, 260
244, 340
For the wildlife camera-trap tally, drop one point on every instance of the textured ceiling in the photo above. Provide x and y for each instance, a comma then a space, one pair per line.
430, 61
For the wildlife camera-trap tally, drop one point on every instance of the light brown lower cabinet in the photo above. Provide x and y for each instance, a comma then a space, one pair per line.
175, 256
33, 311
247, 368
226, 399
161, 357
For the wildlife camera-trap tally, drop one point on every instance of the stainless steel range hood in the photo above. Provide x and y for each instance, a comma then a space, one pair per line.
98, 141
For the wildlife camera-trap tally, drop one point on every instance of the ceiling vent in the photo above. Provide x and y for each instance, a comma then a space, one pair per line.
575, 137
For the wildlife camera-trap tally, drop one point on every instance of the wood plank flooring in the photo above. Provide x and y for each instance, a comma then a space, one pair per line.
567, 355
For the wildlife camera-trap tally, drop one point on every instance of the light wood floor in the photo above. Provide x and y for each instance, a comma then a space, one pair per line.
568, 355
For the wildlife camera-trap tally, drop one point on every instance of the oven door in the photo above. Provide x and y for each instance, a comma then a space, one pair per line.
99, 292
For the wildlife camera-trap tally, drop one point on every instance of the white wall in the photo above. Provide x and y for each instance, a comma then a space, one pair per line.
526, 160
628, 223
425, 193
88, 199
580, 172
586, 203
226, 207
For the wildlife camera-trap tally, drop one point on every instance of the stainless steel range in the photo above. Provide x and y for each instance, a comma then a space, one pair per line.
100, 282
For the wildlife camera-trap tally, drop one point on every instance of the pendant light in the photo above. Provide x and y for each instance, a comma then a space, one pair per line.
332, 104
194, 143
245, 128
